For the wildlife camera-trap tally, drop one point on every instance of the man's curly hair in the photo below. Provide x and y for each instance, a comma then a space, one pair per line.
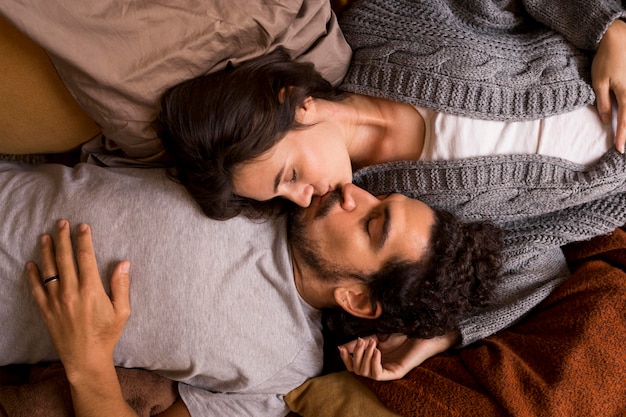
430, 297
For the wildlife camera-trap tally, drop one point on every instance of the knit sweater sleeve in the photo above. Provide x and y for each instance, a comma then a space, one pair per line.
534, 263
528, 277
499, 188
582, 22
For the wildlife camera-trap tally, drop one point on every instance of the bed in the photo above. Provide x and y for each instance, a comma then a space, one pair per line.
565, 358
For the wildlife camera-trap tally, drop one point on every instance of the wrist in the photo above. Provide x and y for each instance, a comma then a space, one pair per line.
97, 392
616, 29
85, 374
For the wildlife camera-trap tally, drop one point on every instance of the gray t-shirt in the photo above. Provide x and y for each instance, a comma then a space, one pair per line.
214, 304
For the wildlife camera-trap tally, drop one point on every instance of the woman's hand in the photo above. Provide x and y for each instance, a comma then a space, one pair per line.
84, 322
393, 357
608, 74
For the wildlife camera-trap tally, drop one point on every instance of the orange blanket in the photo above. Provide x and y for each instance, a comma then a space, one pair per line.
567, 358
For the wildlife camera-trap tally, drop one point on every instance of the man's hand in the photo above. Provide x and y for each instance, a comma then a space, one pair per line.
83, 321
393, 357
608, 75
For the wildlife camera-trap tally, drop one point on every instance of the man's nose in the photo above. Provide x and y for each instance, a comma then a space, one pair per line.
353, 195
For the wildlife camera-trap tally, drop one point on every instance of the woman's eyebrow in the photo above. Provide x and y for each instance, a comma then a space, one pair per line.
278, 179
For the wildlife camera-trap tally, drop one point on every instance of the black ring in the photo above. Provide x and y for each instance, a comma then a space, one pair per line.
50, 279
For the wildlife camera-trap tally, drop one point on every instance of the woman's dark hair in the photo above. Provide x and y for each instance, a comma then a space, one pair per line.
430, 297
211, 124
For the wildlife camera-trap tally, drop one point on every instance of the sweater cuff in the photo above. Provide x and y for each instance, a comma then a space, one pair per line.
581, 22
598, 23
616, 15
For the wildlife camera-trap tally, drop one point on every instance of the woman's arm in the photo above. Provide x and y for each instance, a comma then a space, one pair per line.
84, 322
594, 26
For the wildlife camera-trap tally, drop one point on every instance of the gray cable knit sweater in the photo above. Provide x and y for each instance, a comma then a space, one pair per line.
504, 60
541, 202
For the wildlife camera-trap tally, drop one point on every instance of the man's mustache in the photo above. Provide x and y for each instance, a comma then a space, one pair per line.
334, 197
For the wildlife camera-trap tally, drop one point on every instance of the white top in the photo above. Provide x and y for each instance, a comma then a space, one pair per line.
578, 136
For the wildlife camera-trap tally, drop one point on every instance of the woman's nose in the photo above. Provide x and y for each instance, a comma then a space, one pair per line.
301, 195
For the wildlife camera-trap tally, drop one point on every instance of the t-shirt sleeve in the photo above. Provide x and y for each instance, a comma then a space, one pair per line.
265, 399
205, 403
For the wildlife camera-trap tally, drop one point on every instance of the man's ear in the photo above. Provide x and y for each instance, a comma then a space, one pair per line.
305, 113
355, 299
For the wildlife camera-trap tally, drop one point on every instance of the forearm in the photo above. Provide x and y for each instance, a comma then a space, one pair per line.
534, 263
499, 188
525, 282
98, 393
582, 22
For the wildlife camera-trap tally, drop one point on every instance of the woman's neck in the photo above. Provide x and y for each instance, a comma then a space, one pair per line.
381, 130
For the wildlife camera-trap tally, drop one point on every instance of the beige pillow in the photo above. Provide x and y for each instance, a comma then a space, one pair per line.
336, 394
37, 113
117, 57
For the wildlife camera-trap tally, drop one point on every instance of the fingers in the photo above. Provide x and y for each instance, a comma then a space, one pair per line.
620, 130
603, 100
49, 273
64, 257
346, 358
120, 290
377, 365
86, 257
36, 285
365, 359
48, 282
58, 267
609, 79
371, 361
350, 345
605, 104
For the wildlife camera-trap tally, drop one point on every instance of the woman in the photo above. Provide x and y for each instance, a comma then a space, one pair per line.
302, 137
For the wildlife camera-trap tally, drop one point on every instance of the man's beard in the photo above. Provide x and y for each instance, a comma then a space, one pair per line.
307, 248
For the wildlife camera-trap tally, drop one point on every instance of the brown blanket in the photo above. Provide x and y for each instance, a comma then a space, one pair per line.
568, 358
43, 391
